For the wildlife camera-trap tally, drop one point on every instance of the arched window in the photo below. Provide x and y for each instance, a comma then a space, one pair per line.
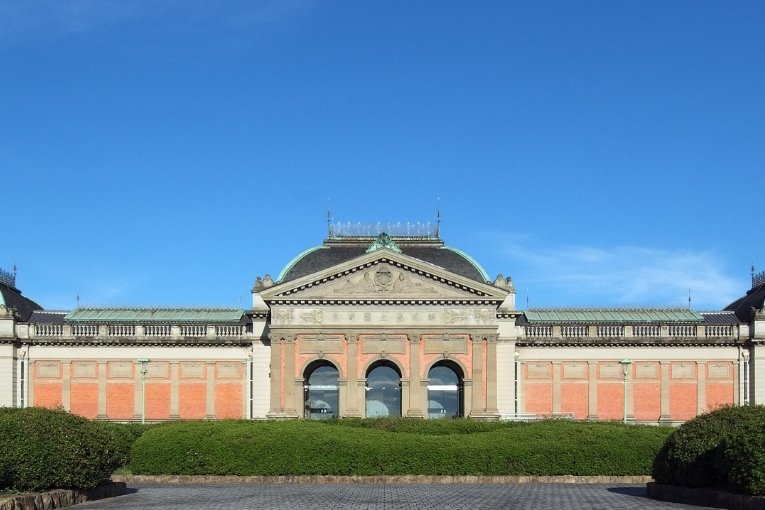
383, 391
444, 391
321, 392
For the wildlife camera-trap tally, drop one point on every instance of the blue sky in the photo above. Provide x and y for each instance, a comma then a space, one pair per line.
168, 152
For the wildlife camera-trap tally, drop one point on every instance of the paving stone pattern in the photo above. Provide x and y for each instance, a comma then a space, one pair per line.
385, 496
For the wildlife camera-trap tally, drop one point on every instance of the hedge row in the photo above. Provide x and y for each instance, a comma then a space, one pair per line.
44, 448
725, 448
397, 447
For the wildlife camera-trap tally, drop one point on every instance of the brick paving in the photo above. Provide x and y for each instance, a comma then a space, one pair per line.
385, 496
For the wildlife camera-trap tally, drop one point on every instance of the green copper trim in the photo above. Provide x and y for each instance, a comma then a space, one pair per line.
470, 259
613, 315
149, 315
294, 261
385, 241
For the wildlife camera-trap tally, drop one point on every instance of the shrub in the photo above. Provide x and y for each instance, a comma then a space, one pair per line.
397, 447
125, 434
742, 455
692, 455
44, 448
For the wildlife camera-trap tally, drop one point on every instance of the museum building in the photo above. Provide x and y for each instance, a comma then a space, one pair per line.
374, 324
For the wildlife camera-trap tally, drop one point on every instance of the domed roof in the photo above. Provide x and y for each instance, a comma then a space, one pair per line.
747, 305
10, 297
339, 250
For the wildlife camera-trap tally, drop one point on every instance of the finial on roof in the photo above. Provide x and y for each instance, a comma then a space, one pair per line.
438, 219
383, 240
329, 223
689, 299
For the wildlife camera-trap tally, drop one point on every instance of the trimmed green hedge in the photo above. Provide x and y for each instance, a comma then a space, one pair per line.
724, 448
44, 448
397, 447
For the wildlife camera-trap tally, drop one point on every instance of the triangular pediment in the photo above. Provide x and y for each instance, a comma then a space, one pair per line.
384, 275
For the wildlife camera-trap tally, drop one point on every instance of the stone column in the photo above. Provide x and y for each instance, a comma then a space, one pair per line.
101, 391
415, 408
701, 387
137, 390
210, 394
352, 405
175, 376
592, 390
664, 415
556, 388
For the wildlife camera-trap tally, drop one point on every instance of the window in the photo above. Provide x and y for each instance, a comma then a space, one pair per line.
383, 391
321, 392
444, 391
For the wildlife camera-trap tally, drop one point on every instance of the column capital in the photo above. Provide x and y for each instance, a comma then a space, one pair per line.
352, 338
414, 338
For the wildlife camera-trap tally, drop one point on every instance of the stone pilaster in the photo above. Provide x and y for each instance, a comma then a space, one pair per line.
592, 390
664, 415
175, 376
478, 404
210, 394
556, 367
417, 402
491, 375
66, 385
101, 390
352, 405
701, 387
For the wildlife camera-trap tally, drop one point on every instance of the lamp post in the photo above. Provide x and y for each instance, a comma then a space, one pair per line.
626, 369
144, 370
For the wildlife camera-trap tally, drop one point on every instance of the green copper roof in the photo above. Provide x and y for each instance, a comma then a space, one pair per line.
472, 261
163, 315
294, 261
617, 315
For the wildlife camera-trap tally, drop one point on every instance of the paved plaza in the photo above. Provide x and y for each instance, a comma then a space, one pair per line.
384, 496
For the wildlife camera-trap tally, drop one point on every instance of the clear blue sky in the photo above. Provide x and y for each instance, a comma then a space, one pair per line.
166, 153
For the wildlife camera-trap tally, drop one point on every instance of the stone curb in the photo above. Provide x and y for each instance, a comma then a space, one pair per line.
704, 497
318, 479
60, 498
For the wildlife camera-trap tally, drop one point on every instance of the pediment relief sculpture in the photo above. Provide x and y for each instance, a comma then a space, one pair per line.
383, 281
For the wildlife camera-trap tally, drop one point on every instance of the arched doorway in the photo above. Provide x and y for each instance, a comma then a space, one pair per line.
445, 391
383, 391
320, 391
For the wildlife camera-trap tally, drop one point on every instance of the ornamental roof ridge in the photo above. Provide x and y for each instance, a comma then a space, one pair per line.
149, 308
606, 308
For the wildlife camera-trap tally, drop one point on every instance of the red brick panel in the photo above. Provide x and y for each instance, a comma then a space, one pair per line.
719, 395
84, 399
192, 401
610, 401
120, 401
682, 401
228, 401
48, 394
537, 398
646, 401
157, 401
574, 399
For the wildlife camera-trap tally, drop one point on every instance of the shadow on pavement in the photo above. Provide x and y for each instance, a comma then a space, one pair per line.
636, 492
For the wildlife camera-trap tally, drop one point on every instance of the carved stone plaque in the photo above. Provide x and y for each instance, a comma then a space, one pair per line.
309, 345
48, 369
192, 370
574, 370
538, 370
646, 371
682, 371
84, 370
719, 370
456, 345
373, 345
611, 371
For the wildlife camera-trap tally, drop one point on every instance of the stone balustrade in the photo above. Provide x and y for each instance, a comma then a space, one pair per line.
645, 331
148, 331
